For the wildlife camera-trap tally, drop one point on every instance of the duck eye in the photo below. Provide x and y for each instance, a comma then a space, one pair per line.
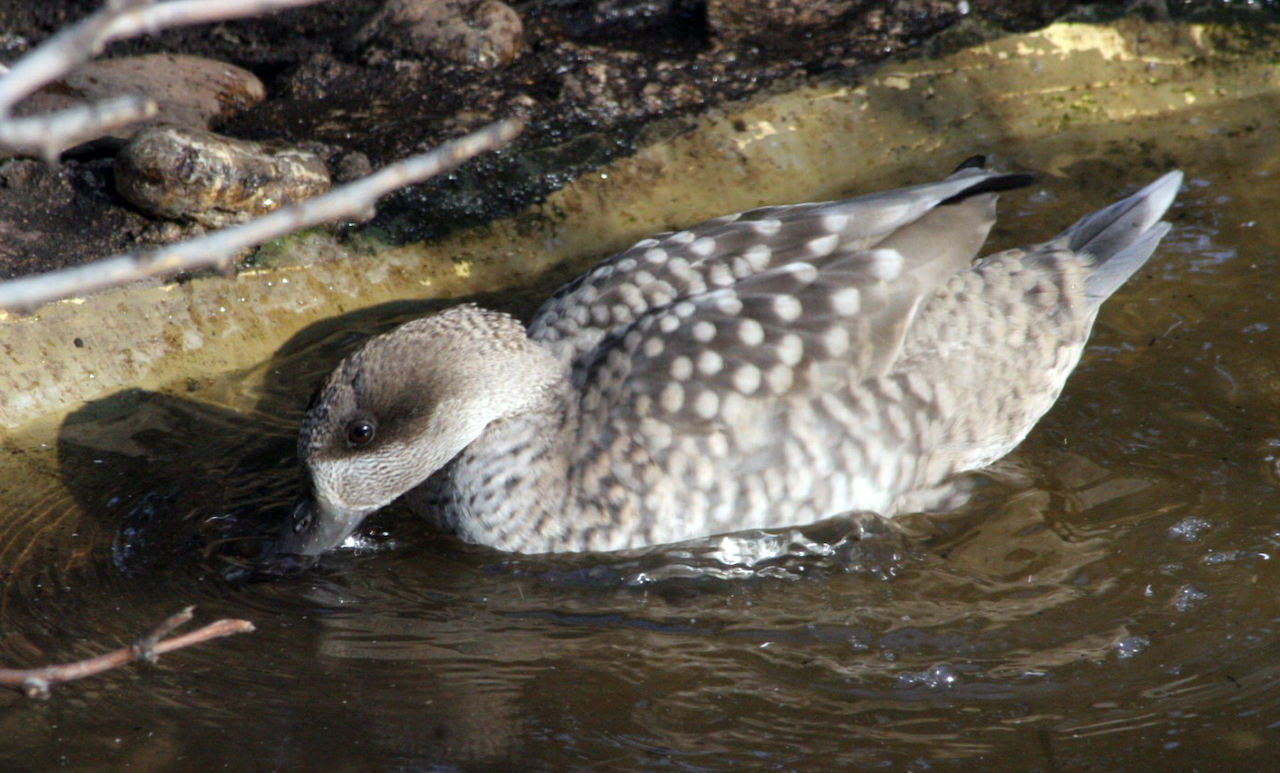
359, 432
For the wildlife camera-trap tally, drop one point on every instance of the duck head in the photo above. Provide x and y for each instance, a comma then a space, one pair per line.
400, 408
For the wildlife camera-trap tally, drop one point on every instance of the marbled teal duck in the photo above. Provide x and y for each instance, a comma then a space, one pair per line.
759, 370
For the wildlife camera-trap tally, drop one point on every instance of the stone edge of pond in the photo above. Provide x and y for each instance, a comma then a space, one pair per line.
919, 117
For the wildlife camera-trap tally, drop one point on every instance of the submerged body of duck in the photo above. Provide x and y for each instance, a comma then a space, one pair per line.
760, 370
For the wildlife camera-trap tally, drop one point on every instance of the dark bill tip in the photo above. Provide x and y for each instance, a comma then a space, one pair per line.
313, 528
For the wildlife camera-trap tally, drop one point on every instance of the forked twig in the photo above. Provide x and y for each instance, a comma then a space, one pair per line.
217, 250
47, 135
36, 682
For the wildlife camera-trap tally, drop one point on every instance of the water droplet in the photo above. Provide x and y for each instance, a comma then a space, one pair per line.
1130, 646
1187, 597
940, 676
1189, 529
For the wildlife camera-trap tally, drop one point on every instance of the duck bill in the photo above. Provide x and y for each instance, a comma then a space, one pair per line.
316, 526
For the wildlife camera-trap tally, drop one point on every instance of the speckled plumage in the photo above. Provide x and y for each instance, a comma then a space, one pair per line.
763, 369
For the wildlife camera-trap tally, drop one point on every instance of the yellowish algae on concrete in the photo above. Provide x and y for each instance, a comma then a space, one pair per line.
1021, 96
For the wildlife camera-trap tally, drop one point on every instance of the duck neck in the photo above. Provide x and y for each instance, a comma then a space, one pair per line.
509, 486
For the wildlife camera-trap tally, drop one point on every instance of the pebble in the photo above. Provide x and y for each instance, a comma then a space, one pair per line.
483, 33
351, 165
181, 173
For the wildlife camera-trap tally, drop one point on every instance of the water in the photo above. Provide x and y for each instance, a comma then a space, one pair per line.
1106, 601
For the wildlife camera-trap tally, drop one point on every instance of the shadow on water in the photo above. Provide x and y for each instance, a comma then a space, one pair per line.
181, 482
203, 481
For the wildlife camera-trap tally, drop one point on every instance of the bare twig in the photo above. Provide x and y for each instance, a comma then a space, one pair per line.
217, 250
184, 13
117, 20
60, 54
47, 135
35, 682
145, 647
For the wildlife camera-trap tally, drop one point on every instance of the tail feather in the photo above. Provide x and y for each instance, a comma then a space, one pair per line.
1122, 236
1116, 270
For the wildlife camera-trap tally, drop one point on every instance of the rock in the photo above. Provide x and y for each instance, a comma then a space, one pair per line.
344, 164
177, 173
350, 166
484, 33
189, 90
762, 19
312, 78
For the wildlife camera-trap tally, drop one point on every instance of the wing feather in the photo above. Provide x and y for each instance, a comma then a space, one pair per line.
672, 267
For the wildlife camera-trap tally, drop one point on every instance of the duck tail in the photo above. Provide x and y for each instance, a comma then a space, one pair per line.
1122, 236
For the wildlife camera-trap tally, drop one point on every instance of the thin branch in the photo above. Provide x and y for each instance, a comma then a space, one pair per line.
35, 682
47, 135
60, 54
184, 13
217, 250
145, 648
117, 20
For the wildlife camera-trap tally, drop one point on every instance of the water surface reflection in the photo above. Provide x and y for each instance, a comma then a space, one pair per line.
1104, 601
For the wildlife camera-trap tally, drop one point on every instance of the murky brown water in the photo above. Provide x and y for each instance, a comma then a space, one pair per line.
1106, 602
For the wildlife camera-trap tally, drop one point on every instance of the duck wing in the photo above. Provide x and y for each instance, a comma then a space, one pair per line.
764, 302
871, 257
692, 355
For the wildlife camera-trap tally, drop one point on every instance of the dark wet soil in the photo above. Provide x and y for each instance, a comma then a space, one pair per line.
591, 79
